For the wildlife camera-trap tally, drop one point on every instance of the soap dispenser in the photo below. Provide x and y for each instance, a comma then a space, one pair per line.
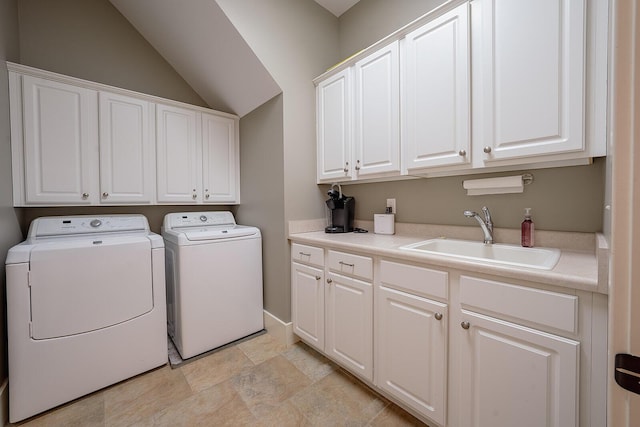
527, 229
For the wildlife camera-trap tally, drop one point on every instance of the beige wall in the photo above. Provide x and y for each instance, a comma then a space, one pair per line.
91, 40
262, 191
371, 20
563, 199
296, 41
9, 227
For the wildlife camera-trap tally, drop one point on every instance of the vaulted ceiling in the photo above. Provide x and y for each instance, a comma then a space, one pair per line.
212, 56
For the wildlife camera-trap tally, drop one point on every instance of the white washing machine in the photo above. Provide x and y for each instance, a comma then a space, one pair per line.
85, 308
214, 280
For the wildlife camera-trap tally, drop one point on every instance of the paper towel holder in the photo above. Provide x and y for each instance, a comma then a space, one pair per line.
497, 185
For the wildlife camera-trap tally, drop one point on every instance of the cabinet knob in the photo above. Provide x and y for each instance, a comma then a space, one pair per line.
487, 149
462, 153
346, 167
318, 277
357, 165
105, 195
438, 316
465, 325
85, 196
329, 281
206, 196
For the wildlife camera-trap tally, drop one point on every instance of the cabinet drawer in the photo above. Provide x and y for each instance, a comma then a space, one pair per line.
413, 279
353, 265
307, 254
545, 308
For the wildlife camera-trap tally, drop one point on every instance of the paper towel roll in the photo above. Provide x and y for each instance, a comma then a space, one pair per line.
502, 185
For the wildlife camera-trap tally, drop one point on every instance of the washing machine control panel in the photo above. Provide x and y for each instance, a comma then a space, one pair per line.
199, 219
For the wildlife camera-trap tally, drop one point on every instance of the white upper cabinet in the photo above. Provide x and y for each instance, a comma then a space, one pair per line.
333, 97
221, 169
377, 113
488, 85
126, 149
177, 155
60, 141
436, 93
197, 155
75, 142
529, 68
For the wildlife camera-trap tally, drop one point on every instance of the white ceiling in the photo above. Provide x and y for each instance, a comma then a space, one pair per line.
212, 57
337, 7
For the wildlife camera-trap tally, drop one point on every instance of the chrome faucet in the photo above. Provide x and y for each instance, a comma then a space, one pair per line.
486, 224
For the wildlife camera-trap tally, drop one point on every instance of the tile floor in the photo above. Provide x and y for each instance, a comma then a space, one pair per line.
255, 383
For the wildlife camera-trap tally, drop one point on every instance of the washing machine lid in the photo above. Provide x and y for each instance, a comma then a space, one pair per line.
82, 285
214, 233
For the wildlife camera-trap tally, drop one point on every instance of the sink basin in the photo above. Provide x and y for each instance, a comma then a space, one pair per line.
513, 255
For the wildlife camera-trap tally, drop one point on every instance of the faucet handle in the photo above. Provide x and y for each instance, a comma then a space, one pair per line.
487, 217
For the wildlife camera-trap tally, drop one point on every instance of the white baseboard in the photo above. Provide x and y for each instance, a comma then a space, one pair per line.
278, 329
4, 402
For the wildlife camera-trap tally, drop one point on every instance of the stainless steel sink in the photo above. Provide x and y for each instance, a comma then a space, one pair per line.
513, 255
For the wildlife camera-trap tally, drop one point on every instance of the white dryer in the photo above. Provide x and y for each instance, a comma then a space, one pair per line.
85, 308
214, 280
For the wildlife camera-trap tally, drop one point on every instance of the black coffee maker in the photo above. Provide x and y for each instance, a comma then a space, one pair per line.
341, 209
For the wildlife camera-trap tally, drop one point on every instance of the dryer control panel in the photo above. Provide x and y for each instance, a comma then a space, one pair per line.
86, 224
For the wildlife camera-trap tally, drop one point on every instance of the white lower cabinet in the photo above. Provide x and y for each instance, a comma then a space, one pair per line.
455, 349
515, 368
307, 297
516, 376
411, 350
349, 323
334, 315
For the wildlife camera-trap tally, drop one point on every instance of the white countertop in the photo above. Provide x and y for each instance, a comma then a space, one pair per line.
576, 269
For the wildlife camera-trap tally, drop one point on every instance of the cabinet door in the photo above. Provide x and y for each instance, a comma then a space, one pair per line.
220, 159
516, 376
126, 150
333, 97
411, 351
60, 142
436, 114
377, 113
177, 147
349, 333
307, 304
531, 73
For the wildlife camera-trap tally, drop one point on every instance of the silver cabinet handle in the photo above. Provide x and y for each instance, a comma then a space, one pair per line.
105, 195
438, 316
346, 167
303, 254
194, 195
206, 193
329, 281
487, 149
462, 153
318, 277
357, 165
85, 196
465, 325
346, 264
